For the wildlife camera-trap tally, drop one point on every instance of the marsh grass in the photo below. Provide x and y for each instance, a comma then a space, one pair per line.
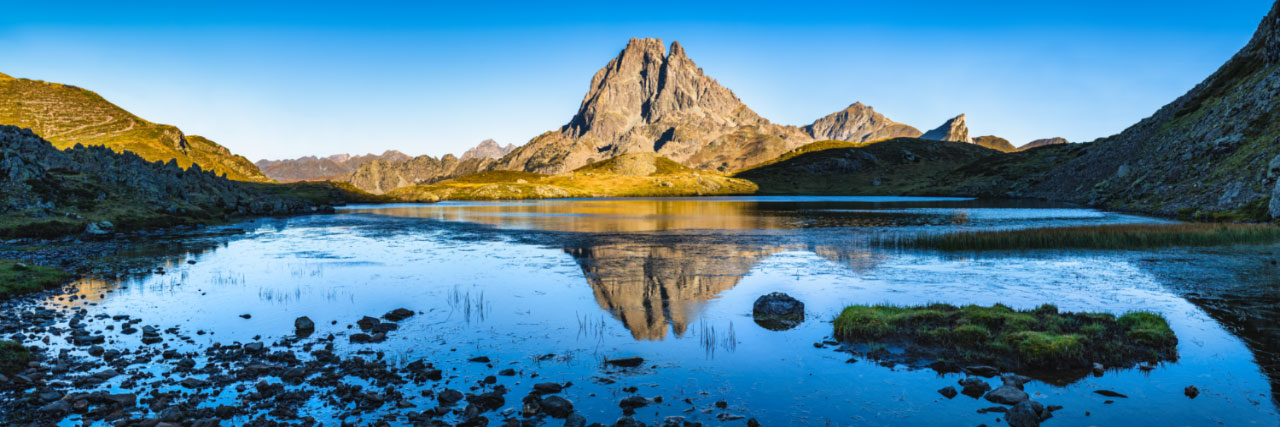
1118, 236
13, 357
1039, 339
18, 279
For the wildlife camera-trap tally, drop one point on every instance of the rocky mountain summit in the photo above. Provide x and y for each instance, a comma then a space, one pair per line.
650, 100
858, 123
952, 130
487, 149
51, 192
67, 115
318, 168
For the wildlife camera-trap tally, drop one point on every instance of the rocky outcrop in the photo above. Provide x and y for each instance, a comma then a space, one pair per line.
995, 143
650, 100
311, 168
66, 115
1043, 142
952, 130
487, 149
65, 191
858, 123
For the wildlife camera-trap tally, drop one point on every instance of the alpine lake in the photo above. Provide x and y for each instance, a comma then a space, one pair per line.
505, 295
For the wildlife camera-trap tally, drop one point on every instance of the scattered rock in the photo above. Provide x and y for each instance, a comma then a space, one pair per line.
304, 325
982, 371
633, 402
1109, 393
547, 388
1023, 414
1007, 395
777, 311
948, 391
1191, 391
398, 314
627, 362
974, 387
557, 407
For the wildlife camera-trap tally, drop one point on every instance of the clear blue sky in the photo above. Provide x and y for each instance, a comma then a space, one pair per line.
288, 80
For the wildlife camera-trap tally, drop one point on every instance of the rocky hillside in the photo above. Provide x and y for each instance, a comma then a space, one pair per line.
995, 143
312, 168
67, 115
1044, 142
858, 123
952, 130
648, 100
1211, 153
381, 176
487, 149
48, 192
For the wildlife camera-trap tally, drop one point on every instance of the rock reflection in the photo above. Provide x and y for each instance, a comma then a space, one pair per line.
651, 288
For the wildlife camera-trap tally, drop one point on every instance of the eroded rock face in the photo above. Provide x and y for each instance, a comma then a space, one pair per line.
952, 130
858, 123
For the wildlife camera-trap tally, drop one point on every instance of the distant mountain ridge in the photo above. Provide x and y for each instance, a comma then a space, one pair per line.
310, 168
380, 176
67, 115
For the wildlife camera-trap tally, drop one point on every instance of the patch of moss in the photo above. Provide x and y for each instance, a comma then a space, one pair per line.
1039, 339
13, 357
17, 278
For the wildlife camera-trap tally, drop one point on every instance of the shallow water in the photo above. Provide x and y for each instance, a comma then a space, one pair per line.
673, 281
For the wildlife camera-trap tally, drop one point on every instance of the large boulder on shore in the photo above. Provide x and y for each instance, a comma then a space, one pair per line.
777, 311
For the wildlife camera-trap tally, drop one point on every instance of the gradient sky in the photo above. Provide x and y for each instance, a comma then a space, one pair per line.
289, 80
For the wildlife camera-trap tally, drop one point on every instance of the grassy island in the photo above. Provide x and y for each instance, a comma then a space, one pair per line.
1039, 339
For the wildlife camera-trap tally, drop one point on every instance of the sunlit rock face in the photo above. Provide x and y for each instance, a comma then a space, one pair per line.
653, 288
650, 100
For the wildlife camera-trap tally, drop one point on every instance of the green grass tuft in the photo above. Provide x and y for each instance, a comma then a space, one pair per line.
13, 357
18, 279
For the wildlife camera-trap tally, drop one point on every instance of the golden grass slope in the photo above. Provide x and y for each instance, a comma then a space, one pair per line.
628, 175
67, 115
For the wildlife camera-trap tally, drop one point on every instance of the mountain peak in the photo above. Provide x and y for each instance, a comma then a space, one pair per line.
858, 123
644, 85
487, 149
952, 130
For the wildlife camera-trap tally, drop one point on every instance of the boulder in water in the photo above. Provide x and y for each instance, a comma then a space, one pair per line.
777, 311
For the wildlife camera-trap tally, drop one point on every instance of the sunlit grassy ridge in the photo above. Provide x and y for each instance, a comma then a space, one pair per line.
17, 278
1043, 338
629, 175
1116, 236
67, 115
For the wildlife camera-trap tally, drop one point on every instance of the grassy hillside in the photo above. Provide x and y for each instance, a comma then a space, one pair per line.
895, 166
67, 115
628, 175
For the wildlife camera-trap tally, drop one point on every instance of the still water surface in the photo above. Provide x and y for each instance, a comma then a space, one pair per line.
673, 281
